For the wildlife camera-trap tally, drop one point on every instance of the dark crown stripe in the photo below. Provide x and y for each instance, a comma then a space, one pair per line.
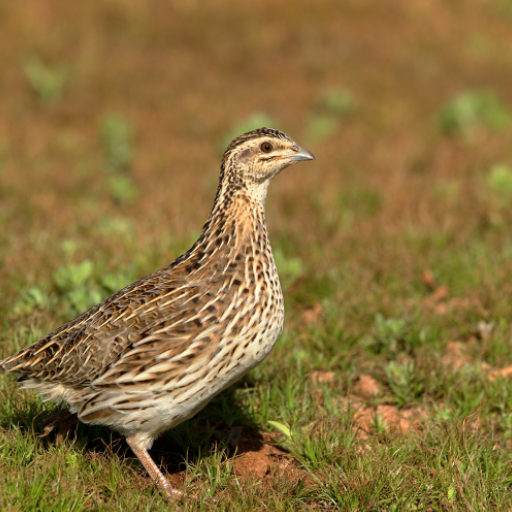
255, 134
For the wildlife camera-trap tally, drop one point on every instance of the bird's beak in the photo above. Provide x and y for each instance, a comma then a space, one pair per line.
298, 154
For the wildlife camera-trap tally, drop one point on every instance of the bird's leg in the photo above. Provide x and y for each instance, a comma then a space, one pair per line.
154, 472
65, 426
63, 418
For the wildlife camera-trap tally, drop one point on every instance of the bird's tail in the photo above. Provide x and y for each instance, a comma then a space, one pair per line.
13, 363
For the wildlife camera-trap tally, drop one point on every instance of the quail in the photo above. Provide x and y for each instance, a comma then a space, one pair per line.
156, 352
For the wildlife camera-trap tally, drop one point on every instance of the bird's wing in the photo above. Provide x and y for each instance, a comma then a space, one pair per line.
151, 327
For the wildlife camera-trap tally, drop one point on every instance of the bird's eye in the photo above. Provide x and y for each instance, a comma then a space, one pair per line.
266, 147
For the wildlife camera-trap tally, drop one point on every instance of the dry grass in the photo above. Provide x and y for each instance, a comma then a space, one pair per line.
394, 247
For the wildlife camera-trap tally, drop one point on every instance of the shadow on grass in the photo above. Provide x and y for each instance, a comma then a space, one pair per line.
219, 427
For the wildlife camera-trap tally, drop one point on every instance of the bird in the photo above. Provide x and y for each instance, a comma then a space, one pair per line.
156, 352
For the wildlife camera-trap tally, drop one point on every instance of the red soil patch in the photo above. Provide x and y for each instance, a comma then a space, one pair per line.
394, 420
255, 458
401, 422
311, 314
367, 386
454, 356
260, 460
320, 377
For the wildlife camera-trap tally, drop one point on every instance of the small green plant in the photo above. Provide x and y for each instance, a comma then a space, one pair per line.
390, 336
451, 493
122, 189
380, 424
281, 427
113, 282
315, 444
76, 286
499, 181
403, 381
72, 276
321, 126
337, 101
34, 298
333, 105
117, 141
469, 110
116, 227
79, 290
441, 413
47, 82
389, 331
69, 247
81, 299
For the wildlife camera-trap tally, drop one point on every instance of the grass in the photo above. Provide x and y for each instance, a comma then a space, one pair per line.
47, 82
394, 247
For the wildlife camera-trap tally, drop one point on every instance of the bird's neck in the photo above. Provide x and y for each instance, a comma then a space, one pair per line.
235, 229
231, 188
238, 210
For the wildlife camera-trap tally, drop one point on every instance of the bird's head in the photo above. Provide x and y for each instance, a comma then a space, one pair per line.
254, 158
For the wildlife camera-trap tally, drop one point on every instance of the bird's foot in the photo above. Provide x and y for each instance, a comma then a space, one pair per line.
64, 419
154, 472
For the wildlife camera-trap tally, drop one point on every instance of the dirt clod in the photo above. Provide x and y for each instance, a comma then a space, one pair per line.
319, 377
251, 464
502, 372
367, 386
311, 314
437, 300
428, 279
403, 422
454, 357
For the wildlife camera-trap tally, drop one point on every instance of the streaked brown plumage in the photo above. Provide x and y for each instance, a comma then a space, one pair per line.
153, 354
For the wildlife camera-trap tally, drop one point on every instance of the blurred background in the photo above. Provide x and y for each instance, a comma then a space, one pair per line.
114, 116
394, 247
